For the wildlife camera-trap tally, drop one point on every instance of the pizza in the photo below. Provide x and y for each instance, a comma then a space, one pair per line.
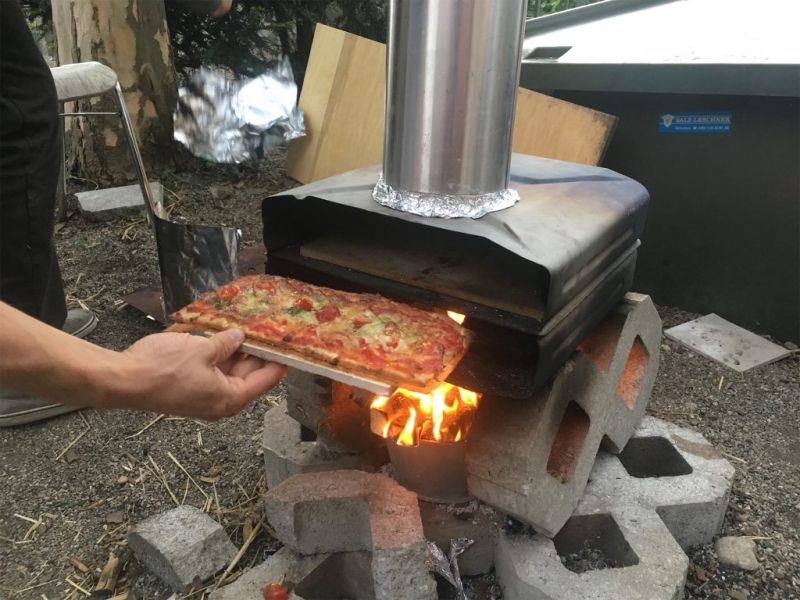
358, 333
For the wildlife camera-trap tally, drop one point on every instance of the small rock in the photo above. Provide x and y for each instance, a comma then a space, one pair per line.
122, 480
115, 517
790, 346
737, 595
737, 552
183, 546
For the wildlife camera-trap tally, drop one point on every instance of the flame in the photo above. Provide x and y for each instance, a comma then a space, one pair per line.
457, 317
444, 415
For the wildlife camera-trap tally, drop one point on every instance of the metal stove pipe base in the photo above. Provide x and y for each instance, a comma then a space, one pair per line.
444, 206
434, 470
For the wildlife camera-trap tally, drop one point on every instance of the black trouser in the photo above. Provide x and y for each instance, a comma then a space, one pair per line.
29, 167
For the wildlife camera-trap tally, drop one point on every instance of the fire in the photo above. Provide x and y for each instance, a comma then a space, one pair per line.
457, 317
444, 415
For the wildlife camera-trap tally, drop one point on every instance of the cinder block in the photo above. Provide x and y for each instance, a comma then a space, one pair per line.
286, 454
356, 511
183, 547
479, 523
673, 471
108, 203
340, 575
337, 413
651, 565
285, 565
667, 480
532, 459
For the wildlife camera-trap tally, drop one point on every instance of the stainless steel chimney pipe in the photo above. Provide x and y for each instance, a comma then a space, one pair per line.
451, 86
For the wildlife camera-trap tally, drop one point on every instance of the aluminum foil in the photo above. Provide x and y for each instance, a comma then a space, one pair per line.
444, 206
233, 121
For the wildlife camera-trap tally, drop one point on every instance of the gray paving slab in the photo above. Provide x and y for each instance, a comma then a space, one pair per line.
727, 343
108, 203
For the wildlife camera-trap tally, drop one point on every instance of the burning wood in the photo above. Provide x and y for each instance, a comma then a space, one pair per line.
444, 415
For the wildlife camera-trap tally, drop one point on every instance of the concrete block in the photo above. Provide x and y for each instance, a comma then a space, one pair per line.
337, 413
355, 511
649, 564
477, 522
532, 459
667, 480
673, 471
287, 454
285, 565
183, 546
340, 575
108, 203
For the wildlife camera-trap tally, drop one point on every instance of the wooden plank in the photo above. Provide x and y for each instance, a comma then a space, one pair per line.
554, 128
343, 103
342, 100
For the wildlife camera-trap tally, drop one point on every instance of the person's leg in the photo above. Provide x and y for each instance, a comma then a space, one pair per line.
29, 167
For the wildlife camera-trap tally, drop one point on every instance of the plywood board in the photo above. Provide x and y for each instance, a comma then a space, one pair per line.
554, 128
343, 103
722, 341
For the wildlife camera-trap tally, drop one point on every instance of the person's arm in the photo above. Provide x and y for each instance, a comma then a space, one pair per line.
174, 373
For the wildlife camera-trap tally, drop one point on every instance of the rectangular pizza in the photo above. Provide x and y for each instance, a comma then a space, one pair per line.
357, 333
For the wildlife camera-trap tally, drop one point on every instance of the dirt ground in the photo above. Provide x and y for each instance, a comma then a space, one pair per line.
71, 487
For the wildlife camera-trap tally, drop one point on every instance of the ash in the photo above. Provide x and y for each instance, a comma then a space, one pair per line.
588, 559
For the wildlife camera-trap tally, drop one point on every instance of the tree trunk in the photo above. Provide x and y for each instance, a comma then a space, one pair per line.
131, 37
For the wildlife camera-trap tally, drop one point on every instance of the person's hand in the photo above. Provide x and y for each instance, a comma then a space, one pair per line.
193, 376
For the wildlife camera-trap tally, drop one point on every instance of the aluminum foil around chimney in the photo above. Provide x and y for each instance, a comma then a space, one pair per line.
451, 87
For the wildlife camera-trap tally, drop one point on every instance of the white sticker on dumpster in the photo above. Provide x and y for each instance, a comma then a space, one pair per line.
695, 122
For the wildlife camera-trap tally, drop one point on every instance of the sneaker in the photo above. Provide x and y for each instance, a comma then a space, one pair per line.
16, 409
19, 410
80, 322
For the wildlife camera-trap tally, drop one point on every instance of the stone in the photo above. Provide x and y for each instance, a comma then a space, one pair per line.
477, 522
532, 459
737, 595
336, 412
351, 511
287, 454
109, 203
183, 547
737, 552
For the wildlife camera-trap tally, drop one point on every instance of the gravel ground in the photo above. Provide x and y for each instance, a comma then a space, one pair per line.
117, 473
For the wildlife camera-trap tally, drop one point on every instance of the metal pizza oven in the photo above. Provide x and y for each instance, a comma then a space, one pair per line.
532, 279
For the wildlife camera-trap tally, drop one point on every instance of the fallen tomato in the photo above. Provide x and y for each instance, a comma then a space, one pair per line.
275, 591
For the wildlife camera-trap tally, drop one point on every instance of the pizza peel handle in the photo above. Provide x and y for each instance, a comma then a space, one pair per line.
301, 363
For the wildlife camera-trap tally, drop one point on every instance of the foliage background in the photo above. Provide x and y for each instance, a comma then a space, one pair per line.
257, 32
